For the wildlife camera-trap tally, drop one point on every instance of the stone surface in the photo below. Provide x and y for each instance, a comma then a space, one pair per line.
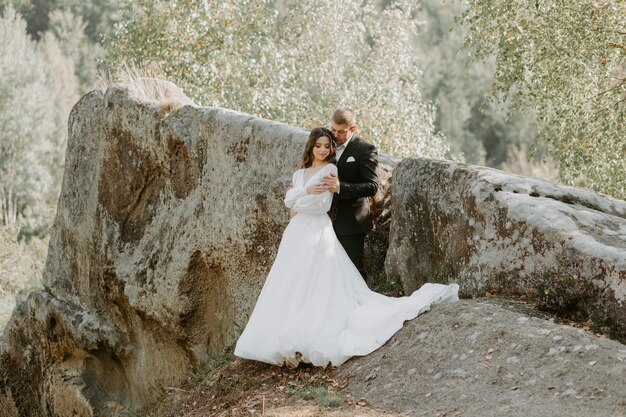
474, 358
493, 231
167, 225
168, 222
377, 241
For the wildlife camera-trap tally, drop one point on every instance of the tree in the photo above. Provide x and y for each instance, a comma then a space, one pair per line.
250, 56
479, 131
35, 13
562, 61
78, 27
69, 31
33, 120
99, 16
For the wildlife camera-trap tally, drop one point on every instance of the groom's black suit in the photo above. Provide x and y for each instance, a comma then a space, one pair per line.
358, 180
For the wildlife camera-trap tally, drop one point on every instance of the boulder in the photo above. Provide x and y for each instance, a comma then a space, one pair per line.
169, 220
167, 224
491, 231
477, 358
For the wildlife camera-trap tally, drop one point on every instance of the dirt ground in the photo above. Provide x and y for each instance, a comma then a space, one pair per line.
473, 358
237, 387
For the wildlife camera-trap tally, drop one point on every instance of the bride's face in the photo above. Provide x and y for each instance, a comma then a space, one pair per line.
321, 149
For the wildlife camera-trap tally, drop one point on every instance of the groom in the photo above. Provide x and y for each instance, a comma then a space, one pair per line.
356, 165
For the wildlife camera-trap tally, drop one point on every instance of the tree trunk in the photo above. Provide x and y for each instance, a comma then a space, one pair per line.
8, 207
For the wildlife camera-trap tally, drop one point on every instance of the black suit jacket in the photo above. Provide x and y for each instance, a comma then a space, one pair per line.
357, 174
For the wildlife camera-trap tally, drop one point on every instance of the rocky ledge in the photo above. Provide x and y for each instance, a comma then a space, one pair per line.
476, 358
169, 220
491, 231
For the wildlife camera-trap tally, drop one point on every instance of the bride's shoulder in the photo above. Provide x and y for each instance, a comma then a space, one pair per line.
297, 173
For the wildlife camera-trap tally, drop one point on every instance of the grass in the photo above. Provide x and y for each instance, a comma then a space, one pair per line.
21, 269
21, 264
322, 394
146, 85
229, 386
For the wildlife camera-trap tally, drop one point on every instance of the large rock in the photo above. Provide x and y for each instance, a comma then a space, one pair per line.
167, 225
480, 359
493, 231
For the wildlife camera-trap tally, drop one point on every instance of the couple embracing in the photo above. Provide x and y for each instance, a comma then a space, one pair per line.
315, 306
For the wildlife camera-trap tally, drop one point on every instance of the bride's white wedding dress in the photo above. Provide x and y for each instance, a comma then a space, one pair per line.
314, 306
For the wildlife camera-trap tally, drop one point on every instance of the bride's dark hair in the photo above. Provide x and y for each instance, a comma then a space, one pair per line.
307, 156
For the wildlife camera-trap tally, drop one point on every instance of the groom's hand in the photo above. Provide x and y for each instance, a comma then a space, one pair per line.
331, 182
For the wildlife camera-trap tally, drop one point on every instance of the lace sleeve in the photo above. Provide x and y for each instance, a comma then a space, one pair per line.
316, 204
295, 192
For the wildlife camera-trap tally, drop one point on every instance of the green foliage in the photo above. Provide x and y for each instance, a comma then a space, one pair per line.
33, 120
480, 133
562, 61
35, 13
252, 57
78, 27
69, 31
99, 16
499, 132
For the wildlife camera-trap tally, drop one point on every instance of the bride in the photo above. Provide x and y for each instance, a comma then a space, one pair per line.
314, 306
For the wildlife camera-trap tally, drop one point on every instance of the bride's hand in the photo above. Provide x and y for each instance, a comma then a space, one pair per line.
316, 189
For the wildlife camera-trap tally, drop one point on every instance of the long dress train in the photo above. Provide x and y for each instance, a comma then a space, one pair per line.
314, 306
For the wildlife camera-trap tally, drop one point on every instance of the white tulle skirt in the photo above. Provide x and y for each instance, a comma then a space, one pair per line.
315, 306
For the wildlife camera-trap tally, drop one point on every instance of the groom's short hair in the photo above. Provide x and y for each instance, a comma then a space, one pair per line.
344, 116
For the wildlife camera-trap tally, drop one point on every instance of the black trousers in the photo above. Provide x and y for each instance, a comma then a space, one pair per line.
355, 248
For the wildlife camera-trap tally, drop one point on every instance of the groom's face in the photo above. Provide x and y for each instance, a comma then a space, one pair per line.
342, 132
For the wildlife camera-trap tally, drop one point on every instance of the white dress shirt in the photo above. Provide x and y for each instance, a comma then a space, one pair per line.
339, 150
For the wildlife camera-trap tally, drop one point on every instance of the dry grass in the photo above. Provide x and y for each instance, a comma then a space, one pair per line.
246, 388
21, 269
146, 85
21, 265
